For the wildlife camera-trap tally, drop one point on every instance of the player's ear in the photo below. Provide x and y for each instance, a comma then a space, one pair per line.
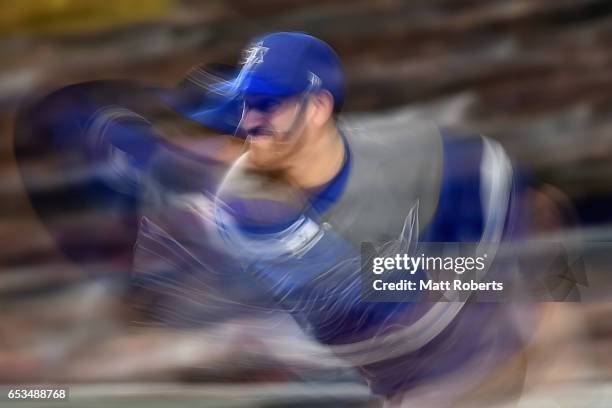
324, 106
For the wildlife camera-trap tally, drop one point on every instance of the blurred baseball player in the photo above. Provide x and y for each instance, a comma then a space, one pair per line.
312, 188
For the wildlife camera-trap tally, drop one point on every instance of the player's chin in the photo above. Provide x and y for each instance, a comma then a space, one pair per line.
262, 142
265, 151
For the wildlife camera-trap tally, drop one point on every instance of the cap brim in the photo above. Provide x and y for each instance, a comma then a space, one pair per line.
224, 117
201, 96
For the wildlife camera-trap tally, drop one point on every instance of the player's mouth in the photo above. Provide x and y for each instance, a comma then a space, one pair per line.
260, 133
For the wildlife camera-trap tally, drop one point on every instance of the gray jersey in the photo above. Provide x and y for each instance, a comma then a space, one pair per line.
391, 171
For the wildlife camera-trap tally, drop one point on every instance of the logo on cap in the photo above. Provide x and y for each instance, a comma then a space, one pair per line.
254, 54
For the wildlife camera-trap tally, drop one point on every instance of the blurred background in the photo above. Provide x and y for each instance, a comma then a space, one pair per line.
535, 75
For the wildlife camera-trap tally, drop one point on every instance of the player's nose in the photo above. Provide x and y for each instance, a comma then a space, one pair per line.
251, 118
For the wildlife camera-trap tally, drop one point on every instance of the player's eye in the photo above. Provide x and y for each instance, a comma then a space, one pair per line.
264, 105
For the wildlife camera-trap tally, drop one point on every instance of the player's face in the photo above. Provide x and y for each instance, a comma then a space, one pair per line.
274, 130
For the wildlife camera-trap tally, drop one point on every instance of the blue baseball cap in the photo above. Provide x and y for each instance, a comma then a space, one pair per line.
200, 97
290, 63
